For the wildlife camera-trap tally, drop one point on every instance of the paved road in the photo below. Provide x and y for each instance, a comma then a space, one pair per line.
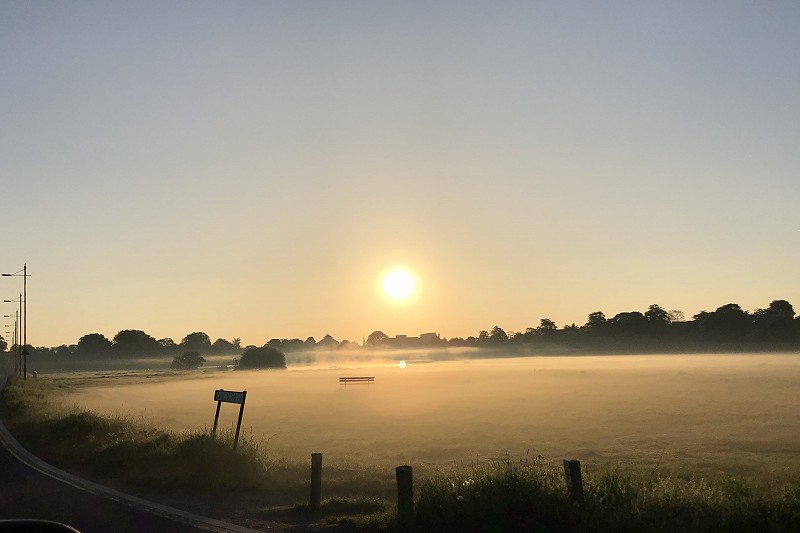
26, 493
30, 488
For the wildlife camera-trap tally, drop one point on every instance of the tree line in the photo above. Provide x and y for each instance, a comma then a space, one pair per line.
728, 328
136, 343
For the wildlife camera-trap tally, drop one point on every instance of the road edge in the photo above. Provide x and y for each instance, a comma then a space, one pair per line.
25, 457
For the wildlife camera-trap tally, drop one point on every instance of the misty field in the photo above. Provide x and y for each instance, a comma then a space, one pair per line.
700, 414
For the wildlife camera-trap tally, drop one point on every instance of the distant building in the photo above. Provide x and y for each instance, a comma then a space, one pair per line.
430, 339
426, 340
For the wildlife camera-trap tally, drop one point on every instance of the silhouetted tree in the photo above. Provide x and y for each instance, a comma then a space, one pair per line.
547, 328
775, 325
93, 345
136, 343
458, 341
729, 325
328, 343
287, 345
497, 335
658, 321
656, 314
196, 342
63, 352
377, 338
628, 327
596, 323
222, 346
187, 361
675, 315
517, 337
168, 346
264, 357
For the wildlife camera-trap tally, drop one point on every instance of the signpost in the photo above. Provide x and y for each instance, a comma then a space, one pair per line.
229, 396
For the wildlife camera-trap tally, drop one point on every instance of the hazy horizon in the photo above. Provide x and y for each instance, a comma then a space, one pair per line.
250, 169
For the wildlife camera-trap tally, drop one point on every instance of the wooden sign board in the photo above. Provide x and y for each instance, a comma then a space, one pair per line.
229, 396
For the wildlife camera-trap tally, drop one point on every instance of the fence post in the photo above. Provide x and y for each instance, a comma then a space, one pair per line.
572, 474
405, 495
316, 480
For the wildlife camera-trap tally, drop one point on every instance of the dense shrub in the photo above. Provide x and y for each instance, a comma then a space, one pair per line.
187, 361
264, 357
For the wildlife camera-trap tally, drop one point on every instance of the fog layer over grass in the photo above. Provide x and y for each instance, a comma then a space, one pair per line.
704, 414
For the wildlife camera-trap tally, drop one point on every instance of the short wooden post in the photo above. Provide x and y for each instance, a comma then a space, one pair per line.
316, 480
239, 422
405, 495
572, 474
216, 416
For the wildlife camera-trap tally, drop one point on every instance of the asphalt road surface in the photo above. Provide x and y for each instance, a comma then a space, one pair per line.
32, 489
26, 493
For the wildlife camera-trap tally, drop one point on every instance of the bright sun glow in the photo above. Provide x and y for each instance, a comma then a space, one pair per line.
399, 285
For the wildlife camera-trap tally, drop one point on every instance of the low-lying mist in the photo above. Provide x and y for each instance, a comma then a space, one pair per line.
699, 413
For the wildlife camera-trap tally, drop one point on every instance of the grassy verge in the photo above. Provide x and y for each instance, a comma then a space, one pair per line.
198, 472
505, 495
191, 470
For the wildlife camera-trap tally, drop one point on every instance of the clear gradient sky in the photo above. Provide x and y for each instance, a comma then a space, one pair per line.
247, 169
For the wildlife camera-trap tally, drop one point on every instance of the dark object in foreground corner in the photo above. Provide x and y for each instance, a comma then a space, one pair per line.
35, 526
572, 474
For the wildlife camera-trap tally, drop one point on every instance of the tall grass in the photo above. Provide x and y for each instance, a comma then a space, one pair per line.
527, 495
498, 495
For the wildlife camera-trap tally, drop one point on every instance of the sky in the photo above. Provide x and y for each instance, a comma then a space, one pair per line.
248, 169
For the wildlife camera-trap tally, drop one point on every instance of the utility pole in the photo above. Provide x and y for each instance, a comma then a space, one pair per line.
23, 304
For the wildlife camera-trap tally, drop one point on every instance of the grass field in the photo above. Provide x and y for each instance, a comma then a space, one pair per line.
703, 415
668, 443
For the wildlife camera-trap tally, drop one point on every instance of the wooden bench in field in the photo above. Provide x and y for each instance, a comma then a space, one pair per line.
357, 379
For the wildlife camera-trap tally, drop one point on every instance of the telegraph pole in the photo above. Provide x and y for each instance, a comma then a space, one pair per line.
23, 305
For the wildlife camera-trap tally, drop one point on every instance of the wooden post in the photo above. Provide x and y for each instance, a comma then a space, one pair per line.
572, 474
239, 422
405, 495
316, 480
216, 417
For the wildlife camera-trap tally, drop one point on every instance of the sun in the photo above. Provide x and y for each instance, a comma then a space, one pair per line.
399, 285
